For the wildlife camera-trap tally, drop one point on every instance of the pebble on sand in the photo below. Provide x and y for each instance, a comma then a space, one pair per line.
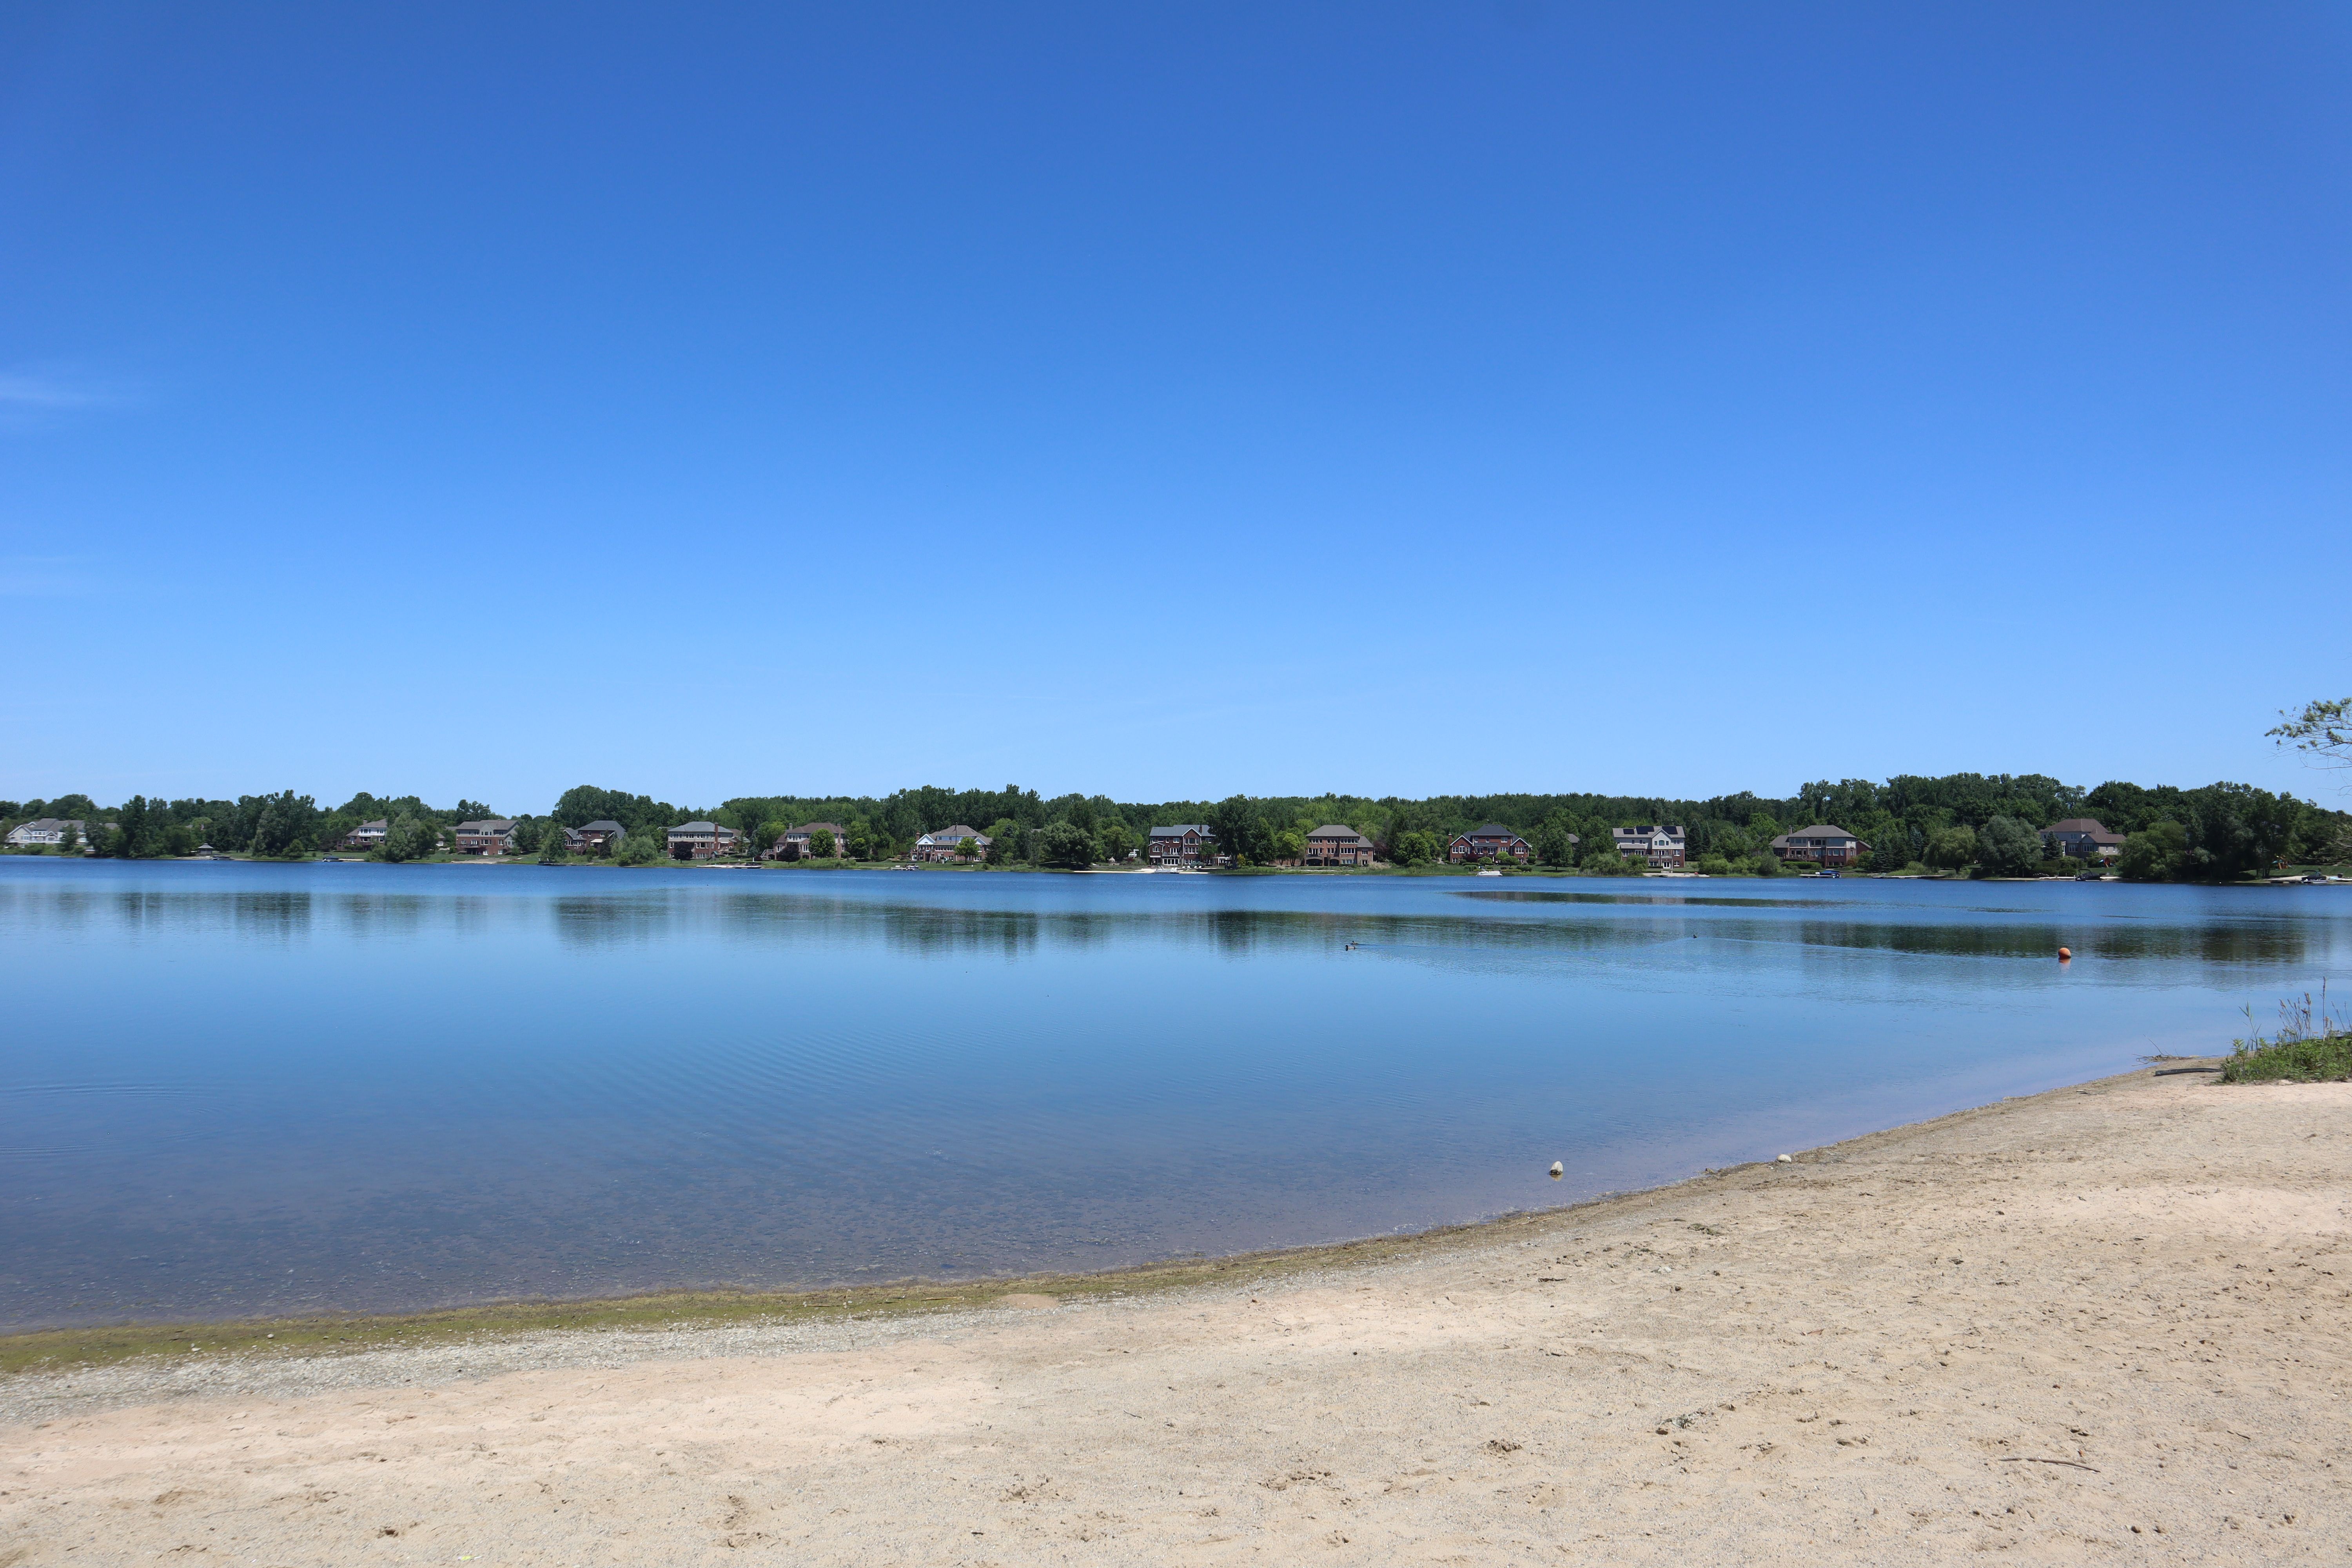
1787, 1160
1558, 1170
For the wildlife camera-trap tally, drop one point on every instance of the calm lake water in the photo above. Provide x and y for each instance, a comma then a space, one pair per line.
230, 1089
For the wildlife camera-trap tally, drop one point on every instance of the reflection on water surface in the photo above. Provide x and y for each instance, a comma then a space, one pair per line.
237, 1088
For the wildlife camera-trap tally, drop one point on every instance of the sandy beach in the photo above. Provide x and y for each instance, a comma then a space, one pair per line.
2105, 1323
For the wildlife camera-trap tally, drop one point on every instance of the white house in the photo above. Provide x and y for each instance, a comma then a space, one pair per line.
48, 830
1660, 845
942, 844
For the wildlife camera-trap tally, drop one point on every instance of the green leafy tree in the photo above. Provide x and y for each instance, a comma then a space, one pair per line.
967, 849
789, 850
1118, 839
1289, 844
1242, 832
1891, 850
281, 827
1066, 845
640, 847
821, 844
2008, 847
1764, 863
861, 839
136, 834
1600, 856
1554, 844
408, 838
553, 849
2155, 854
69, 842
1952, 848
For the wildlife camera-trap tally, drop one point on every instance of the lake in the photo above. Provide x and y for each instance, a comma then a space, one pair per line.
229, 1088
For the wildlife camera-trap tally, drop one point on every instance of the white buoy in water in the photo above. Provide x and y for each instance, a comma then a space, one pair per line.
1558, 1170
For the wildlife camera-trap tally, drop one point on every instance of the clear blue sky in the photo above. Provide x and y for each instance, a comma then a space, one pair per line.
1168, 401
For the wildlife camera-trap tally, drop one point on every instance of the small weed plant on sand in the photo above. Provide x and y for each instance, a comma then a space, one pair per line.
2313, 1043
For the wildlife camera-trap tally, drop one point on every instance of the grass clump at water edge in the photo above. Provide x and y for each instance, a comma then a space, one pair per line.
2313, 1043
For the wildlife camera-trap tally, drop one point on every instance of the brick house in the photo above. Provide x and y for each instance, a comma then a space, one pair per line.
1659, 844
2083, 838
366, 836
489, 836
942, 844
802, 834
1183, 844
599, 836
1492, 842
1337, 844
1822, 844
701, 840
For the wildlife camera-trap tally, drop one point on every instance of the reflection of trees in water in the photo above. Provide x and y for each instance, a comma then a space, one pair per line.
599, 922
2209, 944
379, 914
280, 915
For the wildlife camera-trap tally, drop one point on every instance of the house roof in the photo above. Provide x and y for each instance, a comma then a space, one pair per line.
1338, 830
2090, 825
1492, 830
1178, 830
603, 825
805, 829
1671, 829
955, 835
488, 825
703, 828
46, 821
378, 826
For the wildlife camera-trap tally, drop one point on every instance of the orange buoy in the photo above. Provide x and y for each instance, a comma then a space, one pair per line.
2065, 956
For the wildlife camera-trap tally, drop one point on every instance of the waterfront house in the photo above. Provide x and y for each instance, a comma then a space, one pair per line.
48, 830
1658, 844
802, 834
941, 844
1183, 844
489, 836
601, 836
2081, 837
367, 834
1337, 844
701, 840
1492, 842
1822, 844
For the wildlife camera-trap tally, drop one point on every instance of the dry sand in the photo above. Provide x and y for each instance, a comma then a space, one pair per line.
2108, 1322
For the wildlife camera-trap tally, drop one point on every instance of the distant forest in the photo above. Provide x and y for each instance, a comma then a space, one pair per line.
2216, 833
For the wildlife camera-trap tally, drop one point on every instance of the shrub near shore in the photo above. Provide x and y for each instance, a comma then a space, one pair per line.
2311, 1045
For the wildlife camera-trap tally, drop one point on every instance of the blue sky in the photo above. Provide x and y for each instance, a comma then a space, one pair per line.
1168, 403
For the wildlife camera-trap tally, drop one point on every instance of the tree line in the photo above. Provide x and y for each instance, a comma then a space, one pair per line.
1988, 823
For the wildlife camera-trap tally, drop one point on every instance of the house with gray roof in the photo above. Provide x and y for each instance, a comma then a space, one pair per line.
702, 840
1822, 844
1337, 844
2083, 838
47, 832
1658, 844
1182, 843
941, 844
1492, 842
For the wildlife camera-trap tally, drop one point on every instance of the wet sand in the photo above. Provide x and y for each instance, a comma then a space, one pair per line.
2108, 1322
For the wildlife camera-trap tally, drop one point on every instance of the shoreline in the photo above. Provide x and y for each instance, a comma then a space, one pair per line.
38, 1351
2112, 1318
